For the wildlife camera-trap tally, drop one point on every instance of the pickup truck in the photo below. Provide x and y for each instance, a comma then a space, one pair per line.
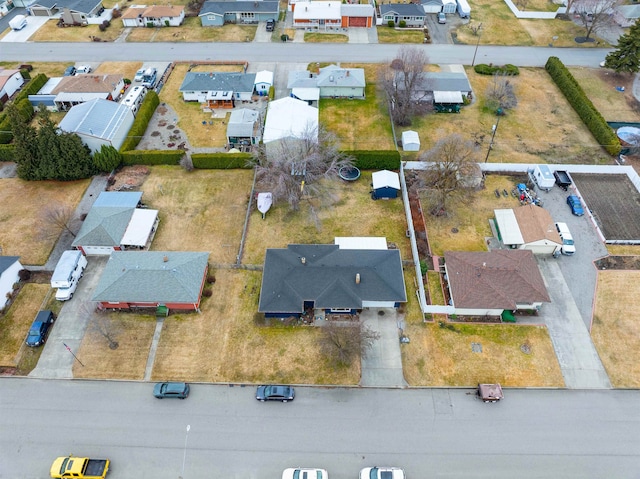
80, 467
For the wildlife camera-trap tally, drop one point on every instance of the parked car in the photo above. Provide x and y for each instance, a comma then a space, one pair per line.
305, 473
568, 246
70, 71
442, 18
139, 74
39, 328
382, 473
171, 390
271, 25
275, 393
576, 206
82, 69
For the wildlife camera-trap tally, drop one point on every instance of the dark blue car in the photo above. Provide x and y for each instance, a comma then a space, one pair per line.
275, 393
576, 206
39, 328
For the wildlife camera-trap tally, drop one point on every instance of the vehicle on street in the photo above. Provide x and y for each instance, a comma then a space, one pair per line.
568, 246
305, 473
562, 179
271, 25
382, 473
39, 328
275, 393
80, 467
69, 270
490, 392
576, 206
69, 71
139, 75
171, 390
82, 69
442, 18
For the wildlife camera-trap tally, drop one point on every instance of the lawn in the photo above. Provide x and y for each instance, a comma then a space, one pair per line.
392, 35
325, 38
203, 210
353, 213
440, 354
126, 69
23, 238
615, 329
542, 128
192, 31
50, 32
620, 249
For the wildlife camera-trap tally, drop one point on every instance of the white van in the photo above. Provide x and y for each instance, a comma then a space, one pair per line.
568, 246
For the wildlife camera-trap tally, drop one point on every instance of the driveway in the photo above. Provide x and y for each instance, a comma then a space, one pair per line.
55, 361
382, 367
21, 36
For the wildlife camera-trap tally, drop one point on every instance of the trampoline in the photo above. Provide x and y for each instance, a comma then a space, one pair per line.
349, 173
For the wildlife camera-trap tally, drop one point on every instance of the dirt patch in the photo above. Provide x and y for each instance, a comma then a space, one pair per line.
128, 178
162, 132
618, 263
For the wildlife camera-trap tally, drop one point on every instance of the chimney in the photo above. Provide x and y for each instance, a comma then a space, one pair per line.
347, 72
357, 278
303, 260
165, 258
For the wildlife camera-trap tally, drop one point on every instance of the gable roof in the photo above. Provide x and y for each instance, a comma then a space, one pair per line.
403, 9
495, 279
385, 179
218, 81
88, 84
98, 118
356, 10
5, 75
232, 6
6, 262
241, 122
127, 199
333, 75
536, 224
82, 6
264, 76
154, 11
145, 276
288, 117
328, 277
302, 79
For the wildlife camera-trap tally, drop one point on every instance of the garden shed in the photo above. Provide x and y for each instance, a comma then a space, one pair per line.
386, 184
410, 141
449, 6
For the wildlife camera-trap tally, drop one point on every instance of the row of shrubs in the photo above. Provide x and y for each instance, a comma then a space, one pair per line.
22, 103
508, 69
148, 107
577, 98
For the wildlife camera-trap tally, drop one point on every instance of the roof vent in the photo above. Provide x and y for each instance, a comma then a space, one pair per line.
303, 260
165, 258
357, 278
484, 265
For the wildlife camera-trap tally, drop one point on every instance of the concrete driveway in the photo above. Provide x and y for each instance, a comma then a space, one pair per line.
33, 24
382, 367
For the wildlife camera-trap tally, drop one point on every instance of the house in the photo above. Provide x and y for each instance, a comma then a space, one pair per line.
432, 82
218, 89
410, 140
243, 129
116, 222
411, 14
10, 82
6, 6
337, 82
72, 12
99, 122
303, 85
153, 16
488, 283
218, 13
528, 227
385, 183
356, 15
149, 279
323, 15
60, 94
432, 6
627, 15
263, 82
330, 278
289, 119
9, 268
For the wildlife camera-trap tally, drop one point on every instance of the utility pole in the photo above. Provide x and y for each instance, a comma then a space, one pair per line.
473, 62
493, 135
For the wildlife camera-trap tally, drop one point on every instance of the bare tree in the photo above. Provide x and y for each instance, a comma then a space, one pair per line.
342, 343
294, 168
501, 93
57, 219
101, 323
405, 85
595, 15
453, 161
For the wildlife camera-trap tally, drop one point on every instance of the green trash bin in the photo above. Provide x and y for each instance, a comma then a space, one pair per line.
508, 317
162, 311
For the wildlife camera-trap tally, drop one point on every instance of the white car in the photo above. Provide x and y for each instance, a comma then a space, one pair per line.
304, 473
442, 18
83, 69
139, 75
382, 473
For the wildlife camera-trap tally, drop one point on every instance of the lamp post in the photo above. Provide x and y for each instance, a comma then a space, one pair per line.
184, 457
493, 135
473, 62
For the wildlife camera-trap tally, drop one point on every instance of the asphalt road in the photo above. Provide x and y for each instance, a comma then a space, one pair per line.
290, 52
432, 433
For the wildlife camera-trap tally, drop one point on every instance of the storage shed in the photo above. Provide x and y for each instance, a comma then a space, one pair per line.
410, 141
386, 184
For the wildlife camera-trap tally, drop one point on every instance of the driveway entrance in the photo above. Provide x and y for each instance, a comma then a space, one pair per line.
382, 367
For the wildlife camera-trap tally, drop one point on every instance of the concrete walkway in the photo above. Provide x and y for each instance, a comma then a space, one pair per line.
579, 361
148, 370
382, 367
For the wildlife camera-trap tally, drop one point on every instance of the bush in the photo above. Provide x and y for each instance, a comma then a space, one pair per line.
20, 101
221, 161
151, 157
148, 107
207, 292
508, 69
102, 27
6, 152
24, 275
391, 24
576, 97
376, 160
402, 24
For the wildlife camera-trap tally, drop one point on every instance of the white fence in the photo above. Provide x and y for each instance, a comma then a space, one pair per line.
543, 15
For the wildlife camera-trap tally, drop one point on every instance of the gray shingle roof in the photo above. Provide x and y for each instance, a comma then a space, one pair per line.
402, 9
328, 277
218, 81
334, 75
232, 6
82, 6
144, 276
440, 81
6, 262
241, 122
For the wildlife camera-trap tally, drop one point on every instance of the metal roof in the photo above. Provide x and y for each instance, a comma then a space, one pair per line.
218, 81
288, 117
508, 227
223, 7
98, 118
385, 179
447, 97
128, 199
241, 123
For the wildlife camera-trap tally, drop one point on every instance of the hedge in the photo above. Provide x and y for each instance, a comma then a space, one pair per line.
221, 161
6, 152
375, 160
31, 88
21, 101
151, 157
508, 69
576, 97
148, 107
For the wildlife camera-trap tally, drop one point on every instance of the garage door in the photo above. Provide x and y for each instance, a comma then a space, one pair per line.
541, 249
97, 250
39, 12
357, 21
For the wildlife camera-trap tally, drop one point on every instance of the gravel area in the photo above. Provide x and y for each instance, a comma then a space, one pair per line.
163, 132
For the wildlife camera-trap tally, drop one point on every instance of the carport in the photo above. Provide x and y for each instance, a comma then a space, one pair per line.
507, 228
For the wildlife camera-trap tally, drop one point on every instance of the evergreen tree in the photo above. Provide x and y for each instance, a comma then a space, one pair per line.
626, 57
107, 159
24, 141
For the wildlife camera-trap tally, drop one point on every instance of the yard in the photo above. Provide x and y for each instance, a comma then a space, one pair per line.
325, 38
50, 32
615, 329
192, 31
399, 35
23, 238
126, 69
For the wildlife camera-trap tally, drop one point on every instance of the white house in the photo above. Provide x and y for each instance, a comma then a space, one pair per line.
153, 16
99, 122
10, 82
9, 268
322, 15
218, 89
263, 82
288, 118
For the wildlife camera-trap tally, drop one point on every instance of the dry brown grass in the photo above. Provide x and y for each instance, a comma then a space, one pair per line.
616, 329
393, 35
192, 31
435, 287
235, 348
442, 356
617, 250
22, 204
126, 69
542, 128
325, 38
354, 214
14, 325
51, 69
471, 220
50, 32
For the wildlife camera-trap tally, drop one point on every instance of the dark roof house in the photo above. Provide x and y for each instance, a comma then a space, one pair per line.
412, 14
218, 89
217, 13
